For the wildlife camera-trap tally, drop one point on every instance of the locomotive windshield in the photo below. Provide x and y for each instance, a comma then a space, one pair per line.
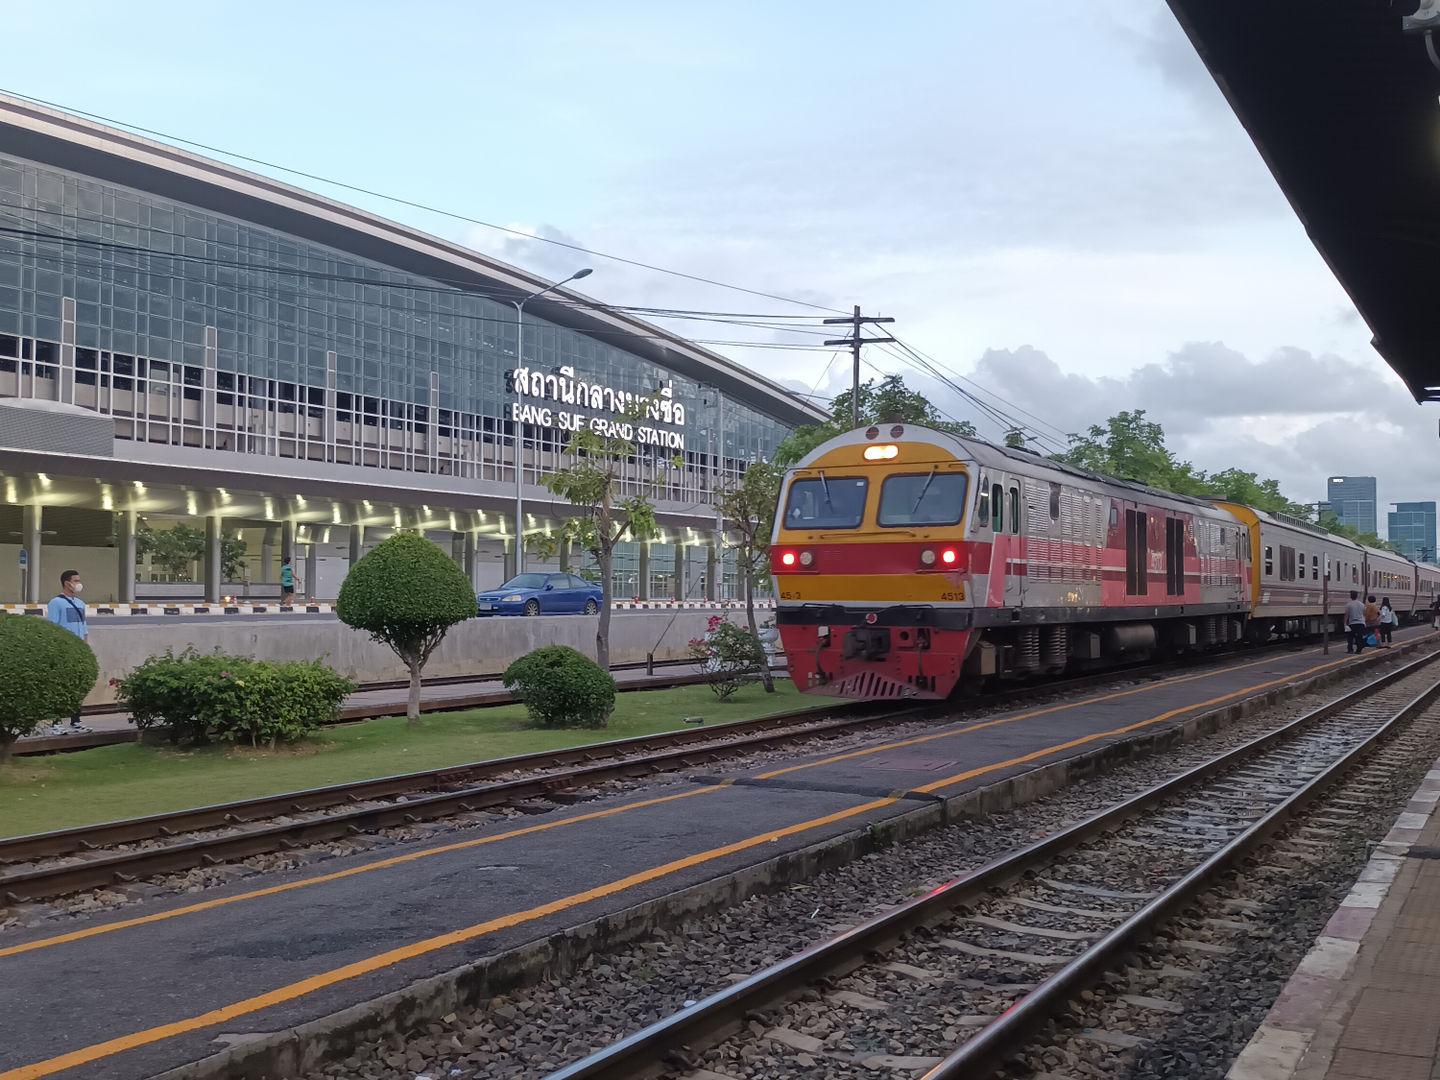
826, 503
932, 498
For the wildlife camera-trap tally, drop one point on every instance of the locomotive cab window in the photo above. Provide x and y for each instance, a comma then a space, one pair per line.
825, 502
932, 498
982, 504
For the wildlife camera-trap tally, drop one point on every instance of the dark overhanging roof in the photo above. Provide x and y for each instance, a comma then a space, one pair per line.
48, 136
1342, 105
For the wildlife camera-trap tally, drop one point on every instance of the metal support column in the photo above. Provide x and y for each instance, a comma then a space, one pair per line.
642, 576
712, 573
312, 567
678, 589
125, 556
469, 554
30, 543
287, 541
267, 555
357, 542
211, 563
509, 558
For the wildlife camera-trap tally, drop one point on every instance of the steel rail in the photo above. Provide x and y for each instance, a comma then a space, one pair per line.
722, 1013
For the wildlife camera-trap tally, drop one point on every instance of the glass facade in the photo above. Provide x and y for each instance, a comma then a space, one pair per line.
1352, 500
314, 352
190, 328
1412, 530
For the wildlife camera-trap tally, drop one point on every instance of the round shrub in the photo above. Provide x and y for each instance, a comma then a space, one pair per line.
45, 671
562, 688
406, 594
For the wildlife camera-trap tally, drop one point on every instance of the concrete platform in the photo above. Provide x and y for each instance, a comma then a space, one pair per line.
1364, 1003
165, 982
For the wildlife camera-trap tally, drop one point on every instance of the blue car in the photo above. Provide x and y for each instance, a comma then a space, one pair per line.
542, 594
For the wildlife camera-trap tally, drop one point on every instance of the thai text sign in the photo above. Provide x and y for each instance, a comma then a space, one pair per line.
564, 388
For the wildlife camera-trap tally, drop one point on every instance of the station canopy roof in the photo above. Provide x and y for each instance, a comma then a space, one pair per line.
1342, 104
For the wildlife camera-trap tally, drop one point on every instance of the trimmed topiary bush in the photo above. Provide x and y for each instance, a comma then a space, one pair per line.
206, 696
562, 688
45, 673
407, 593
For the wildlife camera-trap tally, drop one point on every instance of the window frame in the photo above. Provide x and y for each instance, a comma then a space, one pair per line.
960, 503
810, 526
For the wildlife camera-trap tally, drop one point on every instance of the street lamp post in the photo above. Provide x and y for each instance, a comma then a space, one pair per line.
519, 427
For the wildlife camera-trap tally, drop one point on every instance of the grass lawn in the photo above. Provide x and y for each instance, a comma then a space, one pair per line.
38, 794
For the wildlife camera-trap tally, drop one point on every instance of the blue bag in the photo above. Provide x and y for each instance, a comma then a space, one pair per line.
1371, 640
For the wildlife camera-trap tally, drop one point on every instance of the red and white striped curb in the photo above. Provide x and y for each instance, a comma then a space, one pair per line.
244, 607
672, 605
238, 607
1278, 1049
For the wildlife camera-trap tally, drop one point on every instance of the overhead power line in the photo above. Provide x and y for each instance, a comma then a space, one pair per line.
412, 203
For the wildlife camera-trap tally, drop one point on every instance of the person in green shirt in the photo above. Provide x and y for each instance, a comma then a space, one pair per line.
287, 581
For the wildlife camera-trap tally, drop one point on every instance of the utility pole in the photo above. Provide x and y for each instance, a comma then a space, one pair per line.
854, 341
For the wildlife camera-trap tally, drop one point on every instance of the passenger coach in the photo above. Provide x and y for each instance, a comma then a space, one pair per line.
909, 560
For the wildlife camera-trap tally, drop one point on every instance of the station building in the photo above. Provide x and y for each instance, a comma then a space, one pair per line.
186, 343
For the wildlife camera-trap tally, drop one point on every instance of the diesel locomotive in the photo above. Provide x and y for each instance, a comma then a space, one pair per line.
908, 562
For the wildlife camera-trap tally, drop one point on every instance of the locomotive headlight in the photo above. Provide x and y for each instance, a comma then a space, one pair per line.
927, 557
787, 558
806, 558
881, 452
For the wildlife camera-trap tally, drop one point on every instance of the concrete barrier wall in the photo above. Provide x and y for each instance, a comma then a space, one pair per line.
477, 647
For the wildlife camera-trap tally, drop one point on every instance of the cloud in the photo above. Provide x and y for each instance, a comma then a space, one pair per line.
1292, 415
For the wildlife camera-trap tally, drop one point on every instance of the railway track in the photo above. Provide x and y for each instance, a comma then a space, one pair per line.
44, 866
956, 982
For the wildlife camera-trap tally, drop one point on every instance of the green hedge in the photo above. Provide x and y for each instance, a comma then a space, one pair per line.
202, 697
562, 688
45, 673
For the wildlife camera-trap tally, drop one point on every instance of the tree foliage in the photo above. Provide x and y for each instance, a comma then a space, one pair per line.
602, 517
46, 672
406, 593
176, 551
1131, 447
748, 510
889, 401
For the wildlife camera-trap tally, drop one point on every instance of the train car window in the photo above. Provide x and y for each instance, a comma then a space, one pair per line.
1269, 561
1300, 567
826, 502
1015, 510
1287, 563
997, 507
1315, 567
922, 499
1114, 515
1174, 557
1054, 502
982, 504
1354, 575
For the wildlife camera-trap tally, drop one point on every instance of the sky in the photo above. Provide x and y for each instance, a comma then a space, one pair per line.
1055, 202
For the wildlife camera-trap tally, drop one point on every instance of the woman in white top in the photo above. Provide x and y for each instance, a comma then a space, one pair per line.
1387, 621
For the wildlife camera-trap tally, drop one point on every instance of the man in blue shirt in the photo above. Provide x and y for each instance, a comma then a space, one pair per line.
287, 581
68, 610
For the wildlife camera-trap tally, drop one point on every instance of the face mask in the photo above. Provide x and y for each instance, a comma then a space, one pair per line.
78, 586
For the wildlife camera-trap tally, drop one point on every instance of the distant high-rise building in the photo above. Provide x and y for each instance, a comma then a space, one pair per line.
1352, 500
1412, 529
